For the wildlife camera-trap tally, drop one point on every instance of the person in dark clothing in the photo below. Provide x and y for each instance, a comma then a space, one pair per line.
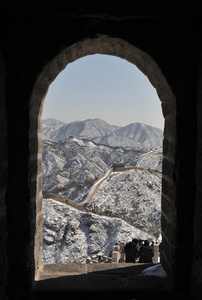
136, 242
131, 252
146, 253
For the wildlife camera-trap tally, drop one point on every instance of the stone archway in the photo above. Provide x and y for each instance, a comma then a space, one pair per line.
120, 48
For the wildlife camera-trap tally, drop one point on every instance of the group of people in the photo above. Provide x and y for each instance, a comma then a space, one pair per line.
138, 250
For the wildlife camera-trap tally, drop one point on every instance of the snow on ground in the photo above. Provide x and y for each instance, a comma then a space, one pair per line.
133, 195
96, 185
152, 159
81, 162
70, 235
124, 202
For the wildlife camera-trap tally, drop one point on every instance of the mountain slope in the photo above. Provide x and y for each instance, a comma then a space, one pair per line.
136, 135
89, 129
70, 235
50, 127
134, 196
152, 159
70, 167
143, 134
126, 205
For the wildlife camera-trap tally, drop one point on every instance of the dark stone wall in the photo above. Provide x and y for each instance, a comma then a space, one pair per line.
30, 38
197, 244
3, 178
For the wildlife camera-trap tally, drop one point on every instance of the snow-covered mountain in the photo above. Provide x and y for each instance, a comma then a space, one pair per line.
70, 167
135, 135
126, 205
134, 196
70, 235
52, 122
152, 159
91, 128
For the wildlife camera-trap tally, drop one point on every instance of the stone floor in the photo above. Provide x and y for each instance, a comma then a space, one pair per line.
96, 281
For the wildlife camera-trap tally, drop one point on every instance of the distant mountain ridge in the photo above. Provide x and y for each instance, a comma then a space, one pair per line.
134, 135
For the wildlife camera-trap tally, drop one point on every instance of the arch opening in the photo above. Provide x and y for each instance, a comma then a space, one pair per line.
82, 151
122, 49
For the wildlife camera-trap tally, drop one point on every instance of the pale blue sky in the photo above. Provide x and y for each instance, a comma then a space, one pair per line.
105, 87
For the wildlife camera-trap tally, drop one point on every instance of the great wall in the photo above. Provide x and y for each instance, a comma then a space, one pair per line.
81, 206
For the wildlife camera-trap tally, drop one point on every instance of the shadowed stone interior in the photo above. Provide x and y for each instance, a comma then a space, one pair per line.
37, 42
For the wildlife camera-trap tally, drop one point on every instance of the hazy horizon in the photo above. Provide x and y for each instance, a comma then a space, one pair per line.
104, 87
99, 119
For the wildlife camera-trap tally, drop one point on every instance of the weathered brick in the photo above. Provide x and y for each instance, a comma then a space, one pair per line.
39, 222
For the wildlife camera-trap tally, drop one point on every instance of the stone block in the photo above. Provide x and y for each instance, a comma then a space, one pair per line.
116, 255
40, 144
39, 124
122, 245
39, 203
39, 165
66, 268
39, 184
40, 222
156, 253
